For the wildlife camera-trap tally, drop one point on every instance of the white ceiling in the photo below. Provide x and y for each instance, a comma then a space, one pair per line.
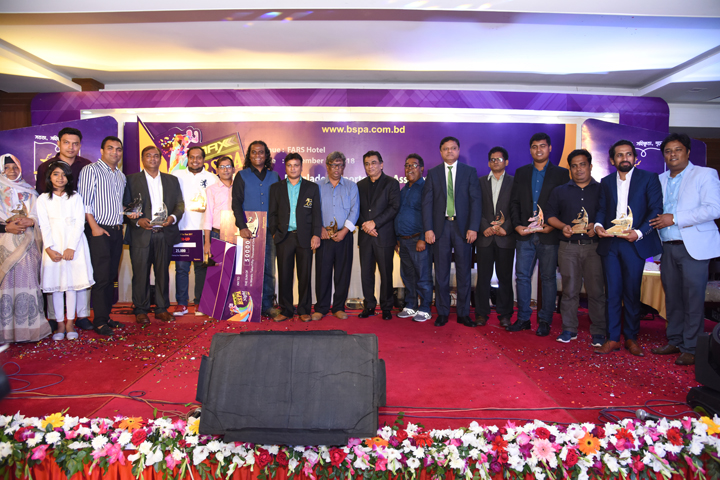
652, 48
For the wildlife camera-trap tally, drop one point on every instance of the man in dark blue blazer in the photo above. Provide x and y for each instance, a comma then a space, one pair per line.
451, 211
624, 256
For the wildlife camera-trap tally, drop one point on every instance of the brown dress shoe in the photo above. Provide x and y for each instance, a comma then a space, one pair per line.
164, 317
142, 319
505, 322
685, 359
317, 316
633, 347
666, 350
305, 318
609, 346
341, 315
279, 318
480, 320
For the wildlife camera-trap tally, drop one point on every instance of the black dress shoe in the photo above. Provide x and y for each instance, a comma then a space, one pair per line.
84, 324
505, 322
103, 330
114, 324
543, 329
518, 325
366, 313
441, 320
480, 320
466, 321
386, 315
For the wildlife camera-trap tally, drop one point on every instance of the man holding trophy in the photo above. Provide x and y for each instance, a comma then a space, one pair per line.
152, 236
629, 199
571, 209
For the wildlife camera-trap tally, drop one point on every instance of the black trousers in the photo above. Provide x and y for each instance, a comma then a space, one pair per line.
338, 257
290, 252
156, 255
502, 258
105, 253
370, 256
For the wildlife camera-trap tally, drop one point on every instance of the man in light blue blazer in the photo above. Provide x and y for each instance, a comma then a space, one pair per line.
451, 212
624, 256
691, 203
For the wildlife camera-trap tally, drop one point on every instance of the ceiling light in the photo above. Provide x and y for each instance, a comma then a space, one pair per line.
269, 15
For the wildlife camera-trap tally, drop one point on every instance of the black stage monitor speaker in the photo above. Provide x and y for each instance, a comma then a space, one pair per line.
291, 388
706, 399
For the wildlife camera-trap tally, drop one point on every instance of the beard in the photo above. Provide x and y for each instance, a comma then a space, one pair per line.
625, 167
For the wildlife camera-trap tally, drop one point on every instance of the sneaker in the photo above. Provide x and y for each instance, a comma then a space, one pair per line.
406, 313
198, 313
566, 336
180, 311
421, 317
58, 336
597, 340
72, 335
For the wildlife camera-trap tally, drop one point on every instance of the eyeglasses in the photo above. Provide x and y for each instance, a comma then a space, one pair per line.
225, 167
335, 165
411, 166
497, 160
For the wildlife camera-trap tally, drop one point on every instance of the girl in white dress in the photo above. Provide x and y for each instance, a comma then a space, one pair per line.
66, 267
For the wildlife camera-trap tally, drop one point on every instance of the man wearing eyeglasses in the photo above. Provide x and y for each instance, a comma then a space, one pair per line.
219, 196
340, 204
451, 211
495, 243
379, 203
415, 257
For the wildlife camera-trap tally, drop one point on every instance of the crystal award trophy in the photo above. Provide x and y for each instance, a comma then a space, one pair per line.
134, 207
159, 217
581, 222
499, 220
537, 221
621, 224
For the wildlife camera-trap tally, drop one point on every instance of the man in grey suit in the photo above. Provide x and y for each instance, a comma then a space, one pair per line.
150, 241
451, 211
495, 243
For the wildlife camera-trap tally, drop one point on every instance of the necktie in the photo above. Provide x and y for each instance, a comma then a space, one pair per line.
450, 195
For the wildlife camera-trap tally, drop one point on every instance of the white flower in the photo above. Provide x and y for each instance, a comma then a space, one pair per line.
134, 457
272, 449
177, 455
696, 446
413, 463
52, 438
99, 442
155, 457
516, 462
238, 460
361, 464
411, 429
192, 439
214, 446
78, 445
4, 420
457, 463
70, 423
145, 447
311, 455
5, 449
84, 431
292, 464
34, 440
124, 438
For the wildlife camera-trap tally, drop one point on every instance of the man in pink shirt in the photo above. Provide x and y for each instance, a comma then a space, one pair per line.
219, 196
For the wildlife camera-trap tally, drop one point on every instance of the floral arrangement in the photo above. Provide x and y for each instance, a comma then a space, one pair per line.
628, 449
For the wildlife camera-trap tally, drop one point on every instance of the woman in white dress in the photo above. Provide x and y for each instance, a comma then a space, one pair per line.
66, 266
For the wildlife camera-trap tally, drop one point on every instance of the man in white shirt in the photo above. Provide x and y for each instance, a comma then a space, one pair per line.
194, 182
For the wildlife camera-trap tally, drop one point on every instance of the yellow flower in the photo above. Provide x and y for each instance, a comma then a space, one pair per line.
713, 427
131, 423
57, 420
589, 444
193, 425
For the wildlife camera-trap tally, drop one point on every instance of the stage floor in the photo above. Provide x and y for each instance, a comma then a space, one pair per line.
438, 376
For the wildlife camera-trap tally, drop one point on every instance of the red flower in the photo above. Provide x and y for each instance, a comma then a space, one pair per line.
282, 459
499, 444
542, 433
503, 457
571, 459
337, 456
625, 434
401, 435
263, 458
23, 434
423, 440
138, 437
598, 432
675, 436
637, 464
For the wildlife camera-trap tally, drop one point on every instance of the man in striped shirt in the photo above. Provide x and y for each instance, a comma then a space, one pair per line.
101, 187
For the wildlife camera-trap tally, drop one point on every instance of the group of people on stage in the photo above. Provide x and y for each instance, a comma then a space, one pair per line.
598, 233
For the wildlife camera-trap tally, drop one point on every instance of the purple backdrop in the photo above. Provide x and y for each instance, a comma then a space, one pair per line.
34, 145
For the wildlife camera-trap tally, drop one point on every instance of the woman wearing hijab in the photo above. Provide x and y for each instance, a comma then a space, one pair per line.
22, 318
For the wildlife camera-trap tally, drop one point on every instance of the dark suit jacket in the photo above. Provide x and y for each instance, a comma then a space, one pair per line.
468, 200
645, 199
488, 214
172, 198
521, 201
382, 209
308, 213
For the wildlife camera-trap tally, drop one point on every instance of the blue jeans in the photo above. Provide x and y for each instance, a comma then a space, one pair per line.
269, 275
527, 253
416, 274
182, 281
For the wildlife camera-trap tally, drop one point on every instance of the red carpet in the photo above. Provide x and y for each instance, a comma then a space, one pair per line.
431, 372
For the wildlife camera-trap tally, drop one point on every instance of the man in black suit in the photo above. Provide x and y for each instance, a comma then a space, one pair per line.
496, 243
295, 222
379, 203
151, 244
451, 211
531, 190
